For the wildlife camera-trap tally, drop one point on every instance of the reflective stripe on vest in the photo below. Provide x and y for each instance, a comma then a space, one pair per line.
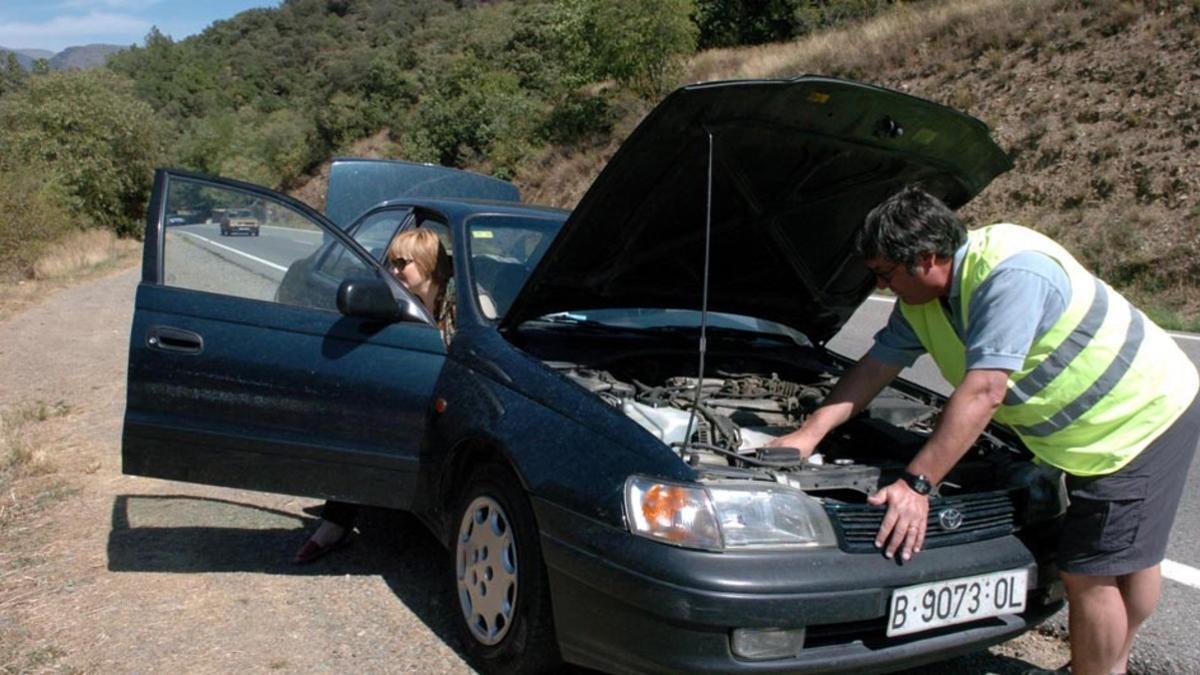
1096, 388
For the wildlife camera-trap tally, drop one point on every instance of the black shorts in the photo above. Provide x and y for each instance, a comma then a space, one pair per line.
1119, 523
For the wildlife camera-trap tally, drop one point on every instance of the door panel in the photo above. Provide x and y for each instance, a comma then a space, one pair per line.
244, 375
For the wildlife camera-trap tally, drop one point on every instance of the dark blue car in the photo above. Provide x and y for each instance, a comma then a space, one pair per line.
597, 471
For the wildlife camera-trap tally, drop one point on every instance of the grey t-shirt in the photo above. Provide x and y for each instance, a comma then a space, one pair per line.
1016, 304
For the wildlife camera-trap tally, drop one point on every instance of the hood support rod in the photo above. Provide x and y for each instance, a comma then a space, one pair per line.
708, 195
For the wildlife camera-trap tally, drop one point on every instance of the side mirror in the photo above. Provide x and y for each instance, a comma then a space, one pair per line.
369, 299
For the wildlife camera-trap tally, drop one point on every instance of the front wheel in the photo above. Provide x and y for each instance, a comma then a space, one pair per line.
505, 620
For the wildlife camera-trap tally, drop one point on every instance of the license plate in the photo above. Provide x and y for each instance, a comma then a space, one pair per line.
945, 603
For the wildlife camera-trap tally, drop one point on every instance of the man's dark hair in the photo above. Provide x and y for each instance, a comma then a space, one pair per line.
909, 224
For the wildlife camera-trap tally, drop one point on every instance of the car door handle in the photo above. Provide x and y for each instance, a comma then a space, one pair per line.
175, 340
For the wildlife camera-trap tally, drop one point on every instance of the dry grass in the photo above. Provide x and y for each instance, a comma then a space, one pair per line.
24, 457
1095, 101
82, 251
76, 257
891, 40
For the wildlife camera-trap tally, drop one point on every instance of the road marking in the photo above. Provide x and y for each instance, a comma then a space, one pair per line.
296, 230
1184, 574
256, 259
1177, 336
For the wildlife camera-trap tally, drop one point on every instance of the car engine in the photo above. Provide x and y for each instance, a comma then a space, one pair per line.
725, 434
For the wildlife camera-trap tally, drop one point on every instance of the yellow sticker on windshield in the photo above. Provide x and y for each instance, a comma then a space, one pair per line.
482, 234
818, 97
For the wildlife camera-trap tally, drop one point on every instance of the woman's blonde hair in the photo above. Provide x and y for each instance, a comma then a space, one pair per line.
422, 246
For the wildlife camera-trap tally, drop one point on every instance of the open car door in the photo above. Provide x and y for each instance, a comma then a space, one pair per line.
242, 371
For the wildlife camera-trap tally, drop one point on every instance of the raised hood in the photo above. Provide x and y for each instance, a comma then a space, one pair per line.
797, 165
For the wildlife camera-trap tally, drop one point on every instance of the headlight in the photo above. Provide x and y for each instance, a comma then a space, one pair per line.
721, 517
765, 517
677, 514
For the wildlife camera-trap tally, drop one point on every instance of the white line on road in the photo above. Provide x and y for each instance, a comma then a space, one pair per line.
1177, 336
1184, 574
256, 259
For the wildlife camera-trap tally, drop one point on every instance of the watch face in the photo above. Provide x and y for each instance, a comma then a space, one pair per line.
919, 484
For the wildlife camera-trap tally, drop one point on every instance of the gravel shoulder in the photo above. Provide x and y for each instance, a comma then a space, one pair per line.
124, 574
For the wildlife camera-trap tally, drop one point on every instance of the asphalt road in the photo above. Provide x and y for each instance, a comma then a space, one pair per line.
269, 254
1168, 642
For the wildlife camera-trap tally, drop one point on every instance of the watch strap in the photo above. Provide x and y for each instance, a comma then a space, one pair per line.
919, 483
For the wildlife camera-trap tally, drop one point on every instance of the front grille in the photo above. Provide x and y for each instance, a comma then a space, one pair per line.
985, 515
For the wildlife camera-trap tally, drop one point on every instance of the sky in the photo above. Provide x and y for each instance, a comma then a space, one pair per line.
54, 25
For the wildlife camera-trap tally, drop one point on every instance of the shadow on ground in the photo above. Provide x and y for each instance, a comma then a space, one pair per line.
188, 534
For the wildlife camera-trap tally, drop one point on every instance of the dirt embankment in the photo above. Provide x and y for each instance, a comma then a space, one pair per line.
1097, 102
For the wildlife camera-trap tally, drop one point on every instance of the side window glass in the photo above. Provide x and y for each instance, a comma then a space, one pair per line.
376, 230
223, 240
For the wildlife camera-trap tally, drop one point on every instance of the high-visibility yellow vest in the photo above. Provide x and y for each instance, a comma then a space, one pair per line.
1096, 389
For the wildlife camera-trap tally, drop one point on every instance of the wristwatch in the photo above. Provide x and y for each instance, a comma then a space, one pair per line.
919, 483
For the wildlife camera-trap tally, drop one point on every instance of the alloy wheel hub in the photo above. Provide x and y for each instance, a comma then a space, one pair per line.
486, 567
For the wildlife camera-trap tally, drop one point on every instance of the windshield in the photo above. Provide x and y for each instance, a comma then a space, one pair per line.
504, 250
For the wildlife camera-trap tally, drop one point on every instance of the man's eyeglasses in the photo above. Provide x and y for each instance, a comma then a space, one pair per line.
885, 276
400, 262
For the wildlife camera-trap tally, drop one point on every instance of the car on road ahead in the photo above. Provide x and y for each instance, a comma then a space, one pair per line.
239, 220
591, 445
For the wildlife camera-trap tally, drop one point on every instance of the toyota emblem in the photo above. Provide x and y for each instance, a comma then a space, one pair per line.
950, 519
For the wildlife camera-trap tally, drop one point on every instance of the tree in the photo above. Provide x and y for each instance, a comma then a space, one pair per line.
93, 135
728, 23
640, 44
12, 75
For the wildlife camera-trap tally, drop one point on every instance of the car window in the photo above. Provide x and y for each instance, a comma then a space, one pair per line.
504, 249
376, 230
271, 259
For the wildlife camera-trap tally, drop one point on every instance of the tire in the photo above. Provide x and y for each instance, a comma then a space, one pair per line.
504, 621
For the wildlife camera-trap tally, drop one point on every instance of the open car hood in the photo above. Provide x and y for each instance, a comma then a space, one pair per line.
797, 164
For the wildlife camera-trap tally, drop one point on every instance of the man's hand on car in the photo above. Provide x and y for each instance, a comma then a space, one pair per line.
799, 439
904, 524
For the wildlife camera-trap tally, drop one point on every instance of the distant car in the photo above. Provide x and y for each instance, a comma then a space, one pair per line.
176, 220
604, 488
238, 221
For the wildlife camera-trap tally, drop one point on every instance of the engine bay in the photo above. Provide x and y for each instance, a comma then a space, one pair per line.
723, 429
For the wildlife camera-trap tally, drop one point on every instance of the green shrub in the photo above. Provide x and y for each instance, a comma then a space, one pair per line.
32, 215
95, 139
469, 114
639, 44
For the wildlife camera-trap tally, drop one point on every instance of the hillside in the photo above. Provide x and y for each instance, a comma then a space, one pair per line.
1097, 102
81, 57
26, 57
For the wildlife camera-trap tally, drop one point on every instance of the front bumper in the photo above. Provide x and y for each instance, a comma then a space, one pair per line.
626, 604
